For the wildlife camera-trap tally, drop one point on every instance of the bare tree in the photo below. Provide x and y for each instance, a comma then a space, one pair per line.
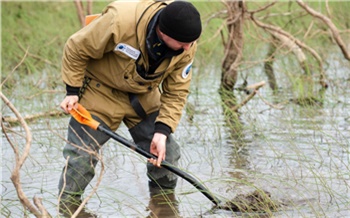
237, 14
232, 58
233, 44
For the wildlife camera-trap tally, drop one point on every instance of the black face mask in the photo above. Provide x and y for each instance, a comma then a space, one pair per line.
156, 49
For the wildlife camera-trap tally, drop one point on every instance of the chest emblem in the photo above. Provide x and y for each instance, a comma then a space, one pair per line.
128, 50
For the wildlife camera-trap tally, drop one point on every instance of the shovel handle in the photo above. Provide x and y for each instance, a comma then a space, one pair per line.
84, 117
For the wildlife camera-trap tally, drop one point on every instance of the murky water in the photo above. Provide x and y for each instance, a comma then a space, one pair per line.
299, 154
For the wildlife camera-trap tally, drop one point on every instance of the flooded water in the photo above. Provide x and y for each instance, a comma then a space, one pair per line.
298, 154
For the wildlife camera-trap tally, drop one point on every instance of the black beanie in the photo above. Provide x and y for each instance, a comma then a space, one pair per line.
181, 21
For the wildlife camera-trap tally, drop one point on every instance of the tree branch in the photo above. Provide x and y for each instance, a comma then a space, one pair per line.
38, 203
330, 24
290, 40
20, 159
33, 55
13, 70
255, 87
80, 11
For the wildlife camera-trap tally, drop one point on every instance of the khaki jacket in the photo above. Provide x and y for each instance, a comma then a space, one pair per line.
106, 50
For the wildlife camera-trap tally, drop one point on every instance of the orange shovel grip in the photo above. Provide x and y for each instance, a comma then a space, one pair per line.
84, 117
90, 18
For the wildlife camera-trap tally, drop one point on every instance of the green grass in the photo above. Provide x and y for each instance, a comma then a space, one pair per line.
43, 27
40, 29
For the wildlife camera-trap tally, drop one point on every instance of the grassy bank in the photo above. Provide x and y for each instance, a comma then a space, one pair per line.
40, 29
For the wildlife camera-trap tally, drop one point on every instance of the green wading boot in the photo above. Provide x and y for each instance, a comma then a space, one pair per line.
163, 183
162, 202
69, 204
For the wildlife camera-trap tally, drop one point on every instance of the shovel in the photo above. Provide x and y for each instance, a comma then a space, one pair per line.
84, 117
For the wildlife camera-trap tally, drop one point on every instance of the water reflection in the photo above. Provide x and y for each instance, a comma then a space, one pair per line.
239, 154
68, 212
238, 157
294, 153
162, 203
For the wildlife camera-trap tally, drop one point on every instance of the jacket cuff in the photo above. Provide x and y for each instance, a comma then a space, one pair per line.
162, 128
70, 90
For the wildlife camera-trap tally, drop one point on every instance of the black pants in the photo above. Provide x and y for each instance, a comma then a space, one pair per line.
81, 164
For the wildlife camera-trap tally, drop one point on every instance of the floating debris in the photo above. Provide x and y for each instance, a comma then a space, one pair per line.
307, 101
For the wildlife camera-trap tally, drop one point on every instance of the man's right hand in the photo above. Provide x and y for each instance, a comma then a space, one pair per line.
69, 102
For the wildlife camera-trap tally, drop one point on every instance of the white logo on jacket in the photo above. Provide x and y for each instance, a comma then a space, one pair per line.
186, 71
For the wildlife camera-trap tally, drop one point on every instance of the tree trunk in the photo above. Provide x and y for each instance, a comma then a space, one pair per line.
234, 45
80, 10
232, 59
268, 66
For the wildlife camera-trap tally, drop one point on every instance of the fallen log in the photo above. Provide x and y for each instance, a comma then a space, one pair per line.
14, 121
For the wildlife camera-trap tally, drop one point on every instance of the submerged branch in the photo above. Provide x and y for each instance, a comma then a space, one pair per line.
255, 87
38, 203
64, 184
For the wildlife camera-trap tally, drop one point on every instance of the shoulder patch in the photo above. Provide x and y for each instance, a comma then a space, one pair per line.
186, 71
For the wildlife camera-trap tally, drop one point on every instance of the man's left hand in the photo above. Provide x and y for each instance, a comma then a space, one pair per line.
158, 148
